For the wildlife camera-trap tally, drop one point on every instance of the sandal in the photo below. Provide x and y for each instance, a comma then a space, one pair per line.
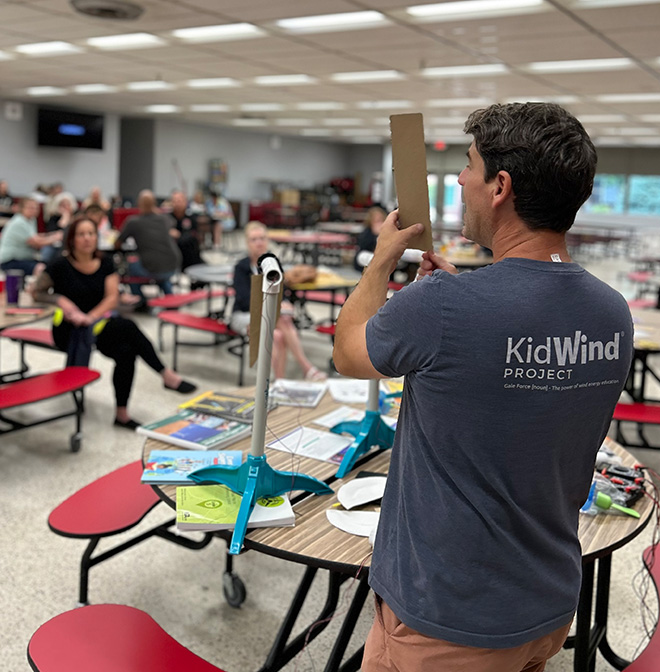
314, 375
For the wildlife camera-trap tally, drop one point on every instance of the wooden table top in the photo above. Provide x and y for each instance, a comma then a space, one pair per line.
314, 541
325, 280
312, 237
647, 329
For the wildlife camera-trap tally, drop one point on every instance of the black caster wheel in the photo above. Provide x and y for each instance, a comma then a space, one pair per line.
233, 589
75, 442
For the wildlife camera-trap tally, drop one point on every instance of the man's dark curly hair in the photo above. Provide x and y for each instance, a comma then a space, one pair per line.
547, 153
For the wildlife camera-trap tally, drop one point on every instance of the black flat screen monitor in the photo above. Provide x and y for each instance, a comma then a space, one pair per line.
62, 128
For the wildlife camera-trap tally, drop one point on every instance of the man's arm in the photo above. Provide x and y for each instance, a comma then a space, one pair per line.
350, 354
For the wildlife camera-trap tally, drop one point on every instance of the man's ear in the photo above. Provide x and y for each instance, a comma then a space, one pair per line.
502, 188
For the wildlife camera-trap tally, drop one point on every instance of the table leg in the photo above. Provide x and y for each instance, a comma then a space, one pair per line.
283, 650
591, 638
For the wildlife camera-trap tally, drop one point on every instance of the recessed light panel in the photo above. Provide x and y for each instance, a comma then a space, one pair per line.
126, 41
227, 31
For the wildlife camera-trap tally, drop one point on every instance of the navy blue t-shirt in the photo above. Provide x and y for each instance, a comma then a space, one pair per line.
512, 375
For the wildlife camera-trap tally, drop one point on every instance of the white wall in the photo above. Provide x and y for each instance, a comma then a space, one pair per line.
23, 164
251, 160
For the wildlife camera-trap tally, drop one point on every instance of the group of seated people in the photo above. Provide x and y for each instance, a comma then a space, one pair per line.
85, 286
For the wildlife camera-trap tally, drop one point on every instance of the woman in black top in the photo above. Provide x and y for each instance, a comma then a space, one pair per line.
86, 289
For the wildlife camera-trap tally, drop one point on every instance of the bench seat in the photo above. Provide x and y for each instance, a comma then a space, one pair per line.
109, 638
174, 301
45, 386
42, 338
639, 413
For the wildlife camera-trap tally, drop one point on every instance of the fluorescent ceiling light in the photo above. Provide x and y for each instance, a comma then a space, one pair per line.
316, 132
212, 83
449, 11
459, 102
94, 88
155, 85
45, 91
610, 142
559, 100
629, 98
369, 76
262, 107
210, 107
162, 109
248, 122
126, 41
647, 141
284, 80
342, 122
631, 131
6, 56
447, 120
466, 70
48, 49
293, 122
227, 31
649, 118
320, 106
584, 65
447, 132
342, 21
359, 131
588, 4
383, 104
601, 118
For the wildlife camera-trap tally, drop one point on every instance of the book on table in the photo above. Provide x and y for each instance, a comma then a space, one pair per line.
309, 442
215, 507
297, 392
188, 429
230, 406
172, 467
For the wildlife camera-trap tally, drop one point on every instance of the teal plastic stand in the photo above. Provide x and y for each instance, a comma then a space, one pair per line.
255, 477
370, 431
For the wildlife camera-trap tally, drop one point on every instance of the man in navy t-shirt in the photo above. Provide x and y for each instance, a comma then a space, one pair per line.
512, 374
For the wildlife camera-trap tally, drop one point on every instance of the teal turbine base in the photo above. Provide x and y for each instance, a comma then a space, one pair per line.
370, 431
253, 479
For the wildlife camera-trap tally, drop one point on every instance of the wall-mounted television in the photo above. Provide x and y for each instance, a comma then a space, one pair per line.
63, 128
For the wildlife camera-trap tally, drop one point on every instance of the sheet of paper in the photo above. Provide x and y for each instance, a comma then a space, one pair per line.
314, 443
349, 390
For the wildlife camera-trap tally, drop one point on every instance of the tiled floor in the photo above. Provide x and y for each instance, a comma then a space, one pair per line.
181, 589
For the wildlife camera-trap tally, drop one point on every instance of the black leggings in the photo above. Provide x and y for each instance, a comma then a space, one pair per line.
121, 340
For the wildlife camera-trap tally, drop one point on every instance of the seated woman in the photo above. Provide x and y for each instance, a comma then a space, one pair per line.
86, 289
285, 336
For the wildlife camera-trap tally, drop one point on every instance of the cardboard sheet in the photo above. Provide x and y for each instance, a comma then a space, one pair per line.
256, 305
409, 163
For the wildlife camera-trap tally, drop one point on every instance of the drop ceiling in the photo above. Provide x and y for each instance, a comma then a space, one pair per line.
600, 58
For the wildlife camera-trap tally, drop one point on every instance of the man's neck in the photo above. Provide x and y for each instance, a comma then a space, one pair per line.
517, 240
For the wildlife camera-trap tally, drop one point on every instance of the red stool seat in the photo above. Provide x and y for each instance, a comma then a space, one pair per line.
109, 638
42, 337
179, 300
643, 413
45, 386
195, 322
317, 296
328, 329
109, 505
642, 303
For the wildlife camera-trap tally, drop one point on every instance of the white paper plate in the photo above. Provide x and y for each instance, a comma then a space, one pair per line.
360, 523
361, 491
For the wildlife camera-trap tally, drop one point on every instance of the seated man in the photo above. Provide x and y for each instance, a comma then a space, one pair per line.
285, 336
185, 231
20, 241
159, 256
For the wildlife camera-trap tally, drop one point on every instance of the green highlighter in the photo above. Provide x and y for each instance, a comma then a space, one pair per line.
604, 501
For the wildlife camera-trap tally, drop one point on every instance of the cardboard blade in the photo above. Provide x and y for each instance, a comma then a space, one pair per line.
409, 163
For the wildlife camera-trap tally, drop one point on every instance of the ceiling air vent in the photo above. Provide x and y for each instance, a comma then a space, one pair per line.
108, 9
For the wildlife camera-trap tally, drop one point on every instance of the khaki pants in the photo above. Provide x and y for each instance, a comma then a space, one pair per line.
394, 647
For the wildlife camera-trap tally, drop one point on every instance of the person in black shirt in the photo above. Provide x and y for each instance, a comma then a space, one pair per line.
85, 288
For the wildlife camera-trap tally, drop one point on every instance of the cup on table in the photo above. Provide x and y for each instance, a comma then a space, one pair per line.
13, 284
